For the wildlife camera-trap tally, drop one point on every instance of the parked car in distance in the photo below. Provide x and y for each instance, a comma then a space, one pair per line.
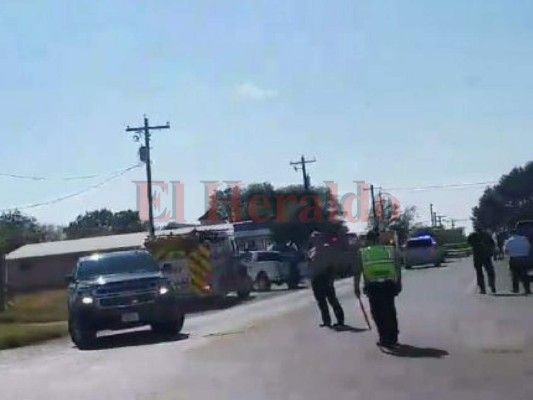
265, 268
422, 250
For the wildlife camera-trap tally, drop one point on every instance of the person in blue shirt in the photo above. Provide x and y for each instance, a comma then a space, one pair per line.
519, 250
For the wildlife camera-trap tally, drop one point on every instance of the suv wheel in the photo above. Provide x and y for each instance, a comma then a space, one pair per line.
169, 327
263, 283
82, 335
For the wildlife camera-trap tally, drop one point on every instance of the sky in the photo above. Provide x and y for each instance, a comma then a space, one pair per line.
401, 94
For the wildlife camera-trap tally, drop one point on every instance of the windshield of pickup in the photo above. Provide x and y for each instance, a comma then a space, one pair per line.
268, 256
109, 264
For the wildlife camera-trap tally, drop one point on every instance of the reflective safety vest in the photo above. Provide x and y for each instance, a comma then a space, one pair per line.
378, 264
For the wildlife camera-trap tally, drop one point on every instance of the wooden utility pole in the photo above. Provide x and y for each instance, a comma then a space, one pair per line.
382, 210
376, 226
301, 165
144, 153
3, 283
432, 215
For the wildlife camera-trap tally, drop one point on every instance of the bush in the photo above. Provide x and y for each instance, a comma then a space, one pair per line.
17, 335
44, 306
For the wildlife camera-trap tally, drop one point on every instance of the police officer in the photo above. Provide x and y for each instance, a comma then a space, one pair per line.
322, 280
483, 249
380, 267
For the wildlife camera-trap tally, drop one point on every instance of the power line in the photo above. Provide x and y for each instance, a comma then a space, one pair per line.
443, 186
110, 178
46, 178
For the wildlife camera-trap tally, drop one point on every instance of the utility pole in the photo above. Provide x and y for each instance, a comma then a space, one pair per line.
301, 164
432, 215
381, 209
374, 207
144, 153
3, 283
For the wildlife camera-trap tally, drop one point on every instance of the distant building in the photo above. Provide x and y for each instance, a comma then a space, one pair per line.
208, 219
45, 265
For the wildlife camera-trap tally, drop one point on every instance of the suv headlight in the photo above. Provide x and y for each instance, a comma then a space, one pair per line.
163, 290
87, 300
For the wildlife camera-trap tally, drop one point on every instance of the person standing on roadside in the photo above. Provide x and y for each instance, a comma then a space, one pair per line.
483, 249
519, 250
322, 280
381, 270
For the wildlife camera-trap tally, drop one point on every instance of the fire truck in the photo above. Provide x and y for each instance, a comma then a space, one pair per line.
201, 262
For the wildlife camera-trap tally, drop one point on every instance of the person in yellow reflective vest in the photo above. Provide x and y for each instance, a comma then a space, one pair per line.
380, 267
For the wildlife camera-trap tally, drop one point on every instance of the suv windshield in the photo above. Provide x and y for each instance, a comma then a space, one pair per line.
418, 243
268, 256
115, 264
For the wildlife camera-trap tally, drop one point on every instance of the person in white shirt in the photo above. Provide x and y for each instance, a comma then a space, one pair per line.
519, 250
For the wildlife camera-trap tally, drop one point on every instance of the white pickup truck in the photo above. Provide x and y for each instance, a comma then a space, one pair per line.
265, 268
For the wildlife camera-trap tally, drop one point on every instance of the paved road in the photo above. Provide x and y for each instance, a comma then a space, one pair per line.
462, 346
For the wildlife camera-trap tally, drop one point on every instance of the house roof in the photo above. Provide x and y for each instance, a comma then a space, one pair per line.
100, 243
85, 245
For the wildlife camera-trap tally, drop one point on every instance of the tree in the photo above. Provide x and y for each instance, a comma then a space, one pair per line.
391, 218
126, 221
104, 222
17, 229
51, 233
404, 223
508, 202
291, 212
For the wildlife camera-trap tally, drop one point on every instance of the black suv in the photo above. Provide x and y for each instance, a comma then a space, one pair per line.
120, 290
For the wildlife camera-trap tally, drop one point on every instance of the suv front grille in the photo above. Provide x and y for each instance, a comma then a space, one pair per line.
124, 301
128, 293
128, 286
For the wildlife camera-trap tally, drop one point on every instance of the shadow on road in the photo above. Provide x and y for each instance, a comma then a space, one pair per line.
509, 295
136, 338
426, 267
407, 351
286, 289
217, 304
348, 328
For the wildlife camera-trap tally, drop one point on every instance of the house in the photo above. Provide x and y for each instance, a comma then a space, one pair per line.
44, 265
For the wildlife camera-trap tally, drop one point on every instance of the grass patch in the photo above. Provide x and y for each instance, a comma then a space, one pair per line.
18, 335
38, 307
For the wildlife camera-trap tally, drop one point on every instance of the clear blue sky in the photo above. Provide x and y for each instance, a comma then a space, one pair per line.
398, 93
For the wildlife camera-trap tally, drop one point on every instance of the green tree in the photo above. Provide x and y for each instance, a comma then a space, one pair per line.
507, 202
17, 229
291, 212
104, 222
404, 223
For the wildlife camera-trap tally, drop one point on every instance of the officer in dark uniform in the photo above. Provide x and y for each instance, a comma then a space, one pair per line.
483, 249
322, 280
